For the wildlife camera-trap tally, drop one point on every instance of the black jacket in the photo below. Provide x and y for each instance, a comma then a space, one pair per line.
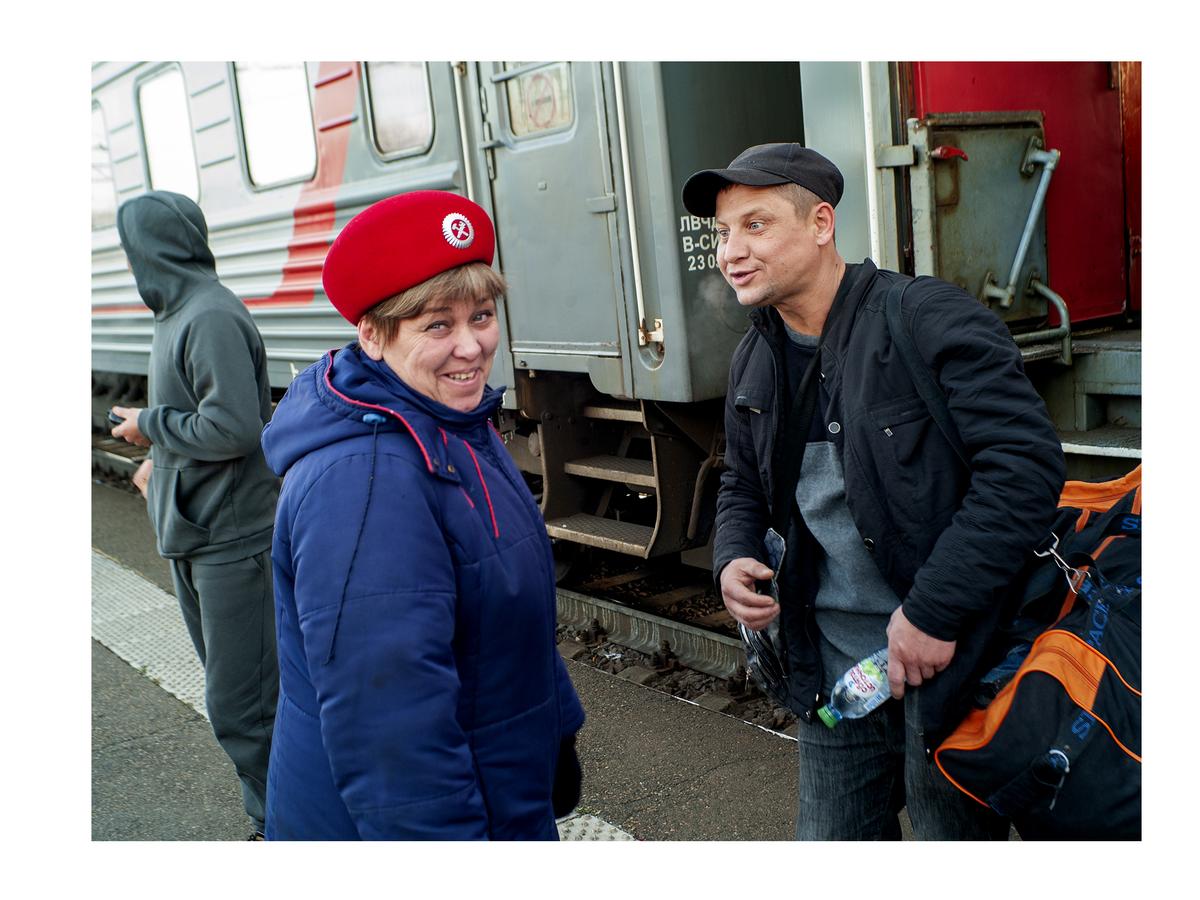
949, 545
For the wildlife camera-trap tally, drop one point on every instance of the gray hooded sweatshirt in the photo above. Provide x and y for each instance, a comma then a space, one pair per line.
211, 496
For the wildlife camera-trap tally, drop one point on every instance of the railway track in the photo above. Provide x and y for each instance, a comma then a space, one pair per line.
641, 603
661, 624
115, 457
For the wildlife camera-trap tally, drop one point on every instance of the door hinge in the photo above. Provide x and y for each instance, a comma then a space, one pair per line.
488, 145
605, 203
895, 156
650, 337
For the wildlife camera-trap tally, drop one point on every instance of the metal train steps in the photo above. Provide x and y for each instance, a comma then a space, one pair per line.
620, 469
607, 534
1088, 342
1107, 440
614, 412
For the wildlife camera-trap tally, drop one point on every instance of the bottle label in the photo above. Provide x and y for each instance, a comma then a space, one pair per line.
866, 678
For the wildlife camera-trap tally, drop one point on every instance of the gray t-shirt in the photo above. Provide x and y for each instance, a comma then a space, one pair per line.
853, 603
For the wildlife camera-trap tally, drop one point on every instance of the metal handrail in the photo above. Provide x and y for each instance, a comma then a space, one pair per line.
1034, 156
1063, 331
645, 334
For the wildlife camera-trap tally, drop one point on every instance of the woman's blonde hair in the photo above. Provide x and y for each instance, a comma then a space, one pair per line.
472, 281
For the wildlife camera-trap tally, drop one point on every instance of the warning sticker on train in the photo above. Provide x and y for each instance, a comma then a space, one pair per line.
457, 230
539, 101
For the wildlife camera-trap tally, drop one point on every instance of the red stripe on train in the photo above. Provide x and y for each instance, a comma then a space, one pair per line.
335, 97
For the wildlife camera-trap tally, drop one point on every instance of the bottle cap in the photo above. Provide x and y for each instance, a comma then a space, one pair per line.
829, 715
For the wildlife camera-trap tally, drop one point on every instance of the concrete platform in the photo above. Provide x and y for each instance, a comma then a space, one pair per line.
666, 769
157, 771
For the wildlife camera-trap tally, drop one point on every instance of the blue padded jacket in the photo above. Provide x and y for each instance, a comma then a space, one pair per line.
421, 693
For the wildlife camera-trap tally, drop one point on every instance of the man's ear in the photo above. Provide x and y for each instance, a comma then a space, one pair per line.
824, 218
368, 339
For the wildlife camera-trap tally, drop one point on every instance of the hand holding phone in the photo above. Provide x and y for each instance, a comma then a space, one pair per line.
125, 419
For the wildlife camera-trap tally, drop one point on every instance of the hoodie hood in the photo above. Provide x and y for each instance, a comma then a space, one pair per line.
347, 395
165, 238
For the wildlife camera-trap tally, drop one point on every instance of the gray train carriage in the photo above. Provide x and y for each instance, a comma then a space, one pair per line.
617, 328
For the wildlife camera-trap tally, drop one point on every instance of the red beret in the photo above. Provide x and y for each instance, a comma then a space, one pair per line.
399, 242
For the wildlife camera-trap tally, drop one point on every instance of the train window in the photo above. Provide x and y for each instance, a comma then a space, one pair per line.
539, 100
167, 132
277, 122
104, 193
401, 112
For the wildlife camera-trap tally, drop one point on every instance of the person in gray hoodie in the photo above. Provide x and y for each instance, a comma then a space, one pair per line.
210, 494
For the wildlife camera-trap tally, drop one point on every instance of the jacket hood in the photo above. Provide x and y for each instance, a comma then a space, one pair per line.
347, 395
165, 238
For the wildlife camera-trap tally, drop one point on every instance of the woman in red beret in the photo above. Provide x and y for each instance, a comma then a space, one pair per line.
421, 693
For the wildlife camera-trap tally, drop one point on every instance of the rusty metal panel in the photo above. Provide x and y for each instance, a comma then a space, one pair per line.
982, 201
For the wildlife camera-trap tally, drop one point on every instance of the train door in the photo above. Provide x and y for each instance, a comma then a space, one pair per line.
545, 135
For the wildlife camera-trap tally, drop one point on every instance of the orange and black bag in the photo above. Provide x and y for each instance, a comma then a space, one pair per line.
1055, 740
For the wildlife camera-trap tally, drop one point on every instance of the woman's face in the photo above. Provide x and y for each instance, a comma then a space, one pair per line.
445, 353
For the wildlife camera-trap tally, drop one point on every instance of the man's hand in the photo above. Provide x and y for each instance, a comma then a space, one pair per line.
141, 478
128, 430
755, 611
913, 656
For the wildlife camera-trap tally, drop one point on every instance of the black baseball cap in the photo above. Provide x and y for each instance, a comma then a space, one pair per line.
763, 165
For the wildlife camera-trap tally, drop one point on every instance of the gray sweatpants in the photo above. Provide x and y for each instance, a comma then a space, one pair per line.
229, 611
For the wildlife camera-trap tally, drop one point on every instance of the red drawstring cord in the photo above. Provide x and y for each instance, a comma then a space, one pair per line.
429, 464
390, 412
486, 493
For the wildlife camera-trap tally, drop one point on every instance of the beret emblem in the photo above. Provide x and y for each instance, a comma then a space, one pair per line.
457, 230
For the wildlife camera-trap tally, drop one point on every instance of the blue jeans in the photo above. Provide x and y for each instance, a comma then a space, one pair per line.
855, 779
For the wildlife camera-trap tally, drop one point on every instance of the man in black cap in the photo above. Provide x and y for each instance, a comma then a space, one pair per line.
891, 539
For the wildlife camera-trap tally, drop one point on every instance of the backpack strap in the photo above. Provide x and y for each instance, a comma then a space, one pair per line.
1036, 787
922, 378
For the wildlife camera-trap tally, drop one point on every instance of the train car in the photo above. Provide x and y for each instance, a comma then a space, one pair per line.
1018, 181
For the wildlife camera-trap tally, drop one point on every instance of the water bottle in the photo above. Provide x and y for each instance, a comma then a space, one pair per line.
863, 688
